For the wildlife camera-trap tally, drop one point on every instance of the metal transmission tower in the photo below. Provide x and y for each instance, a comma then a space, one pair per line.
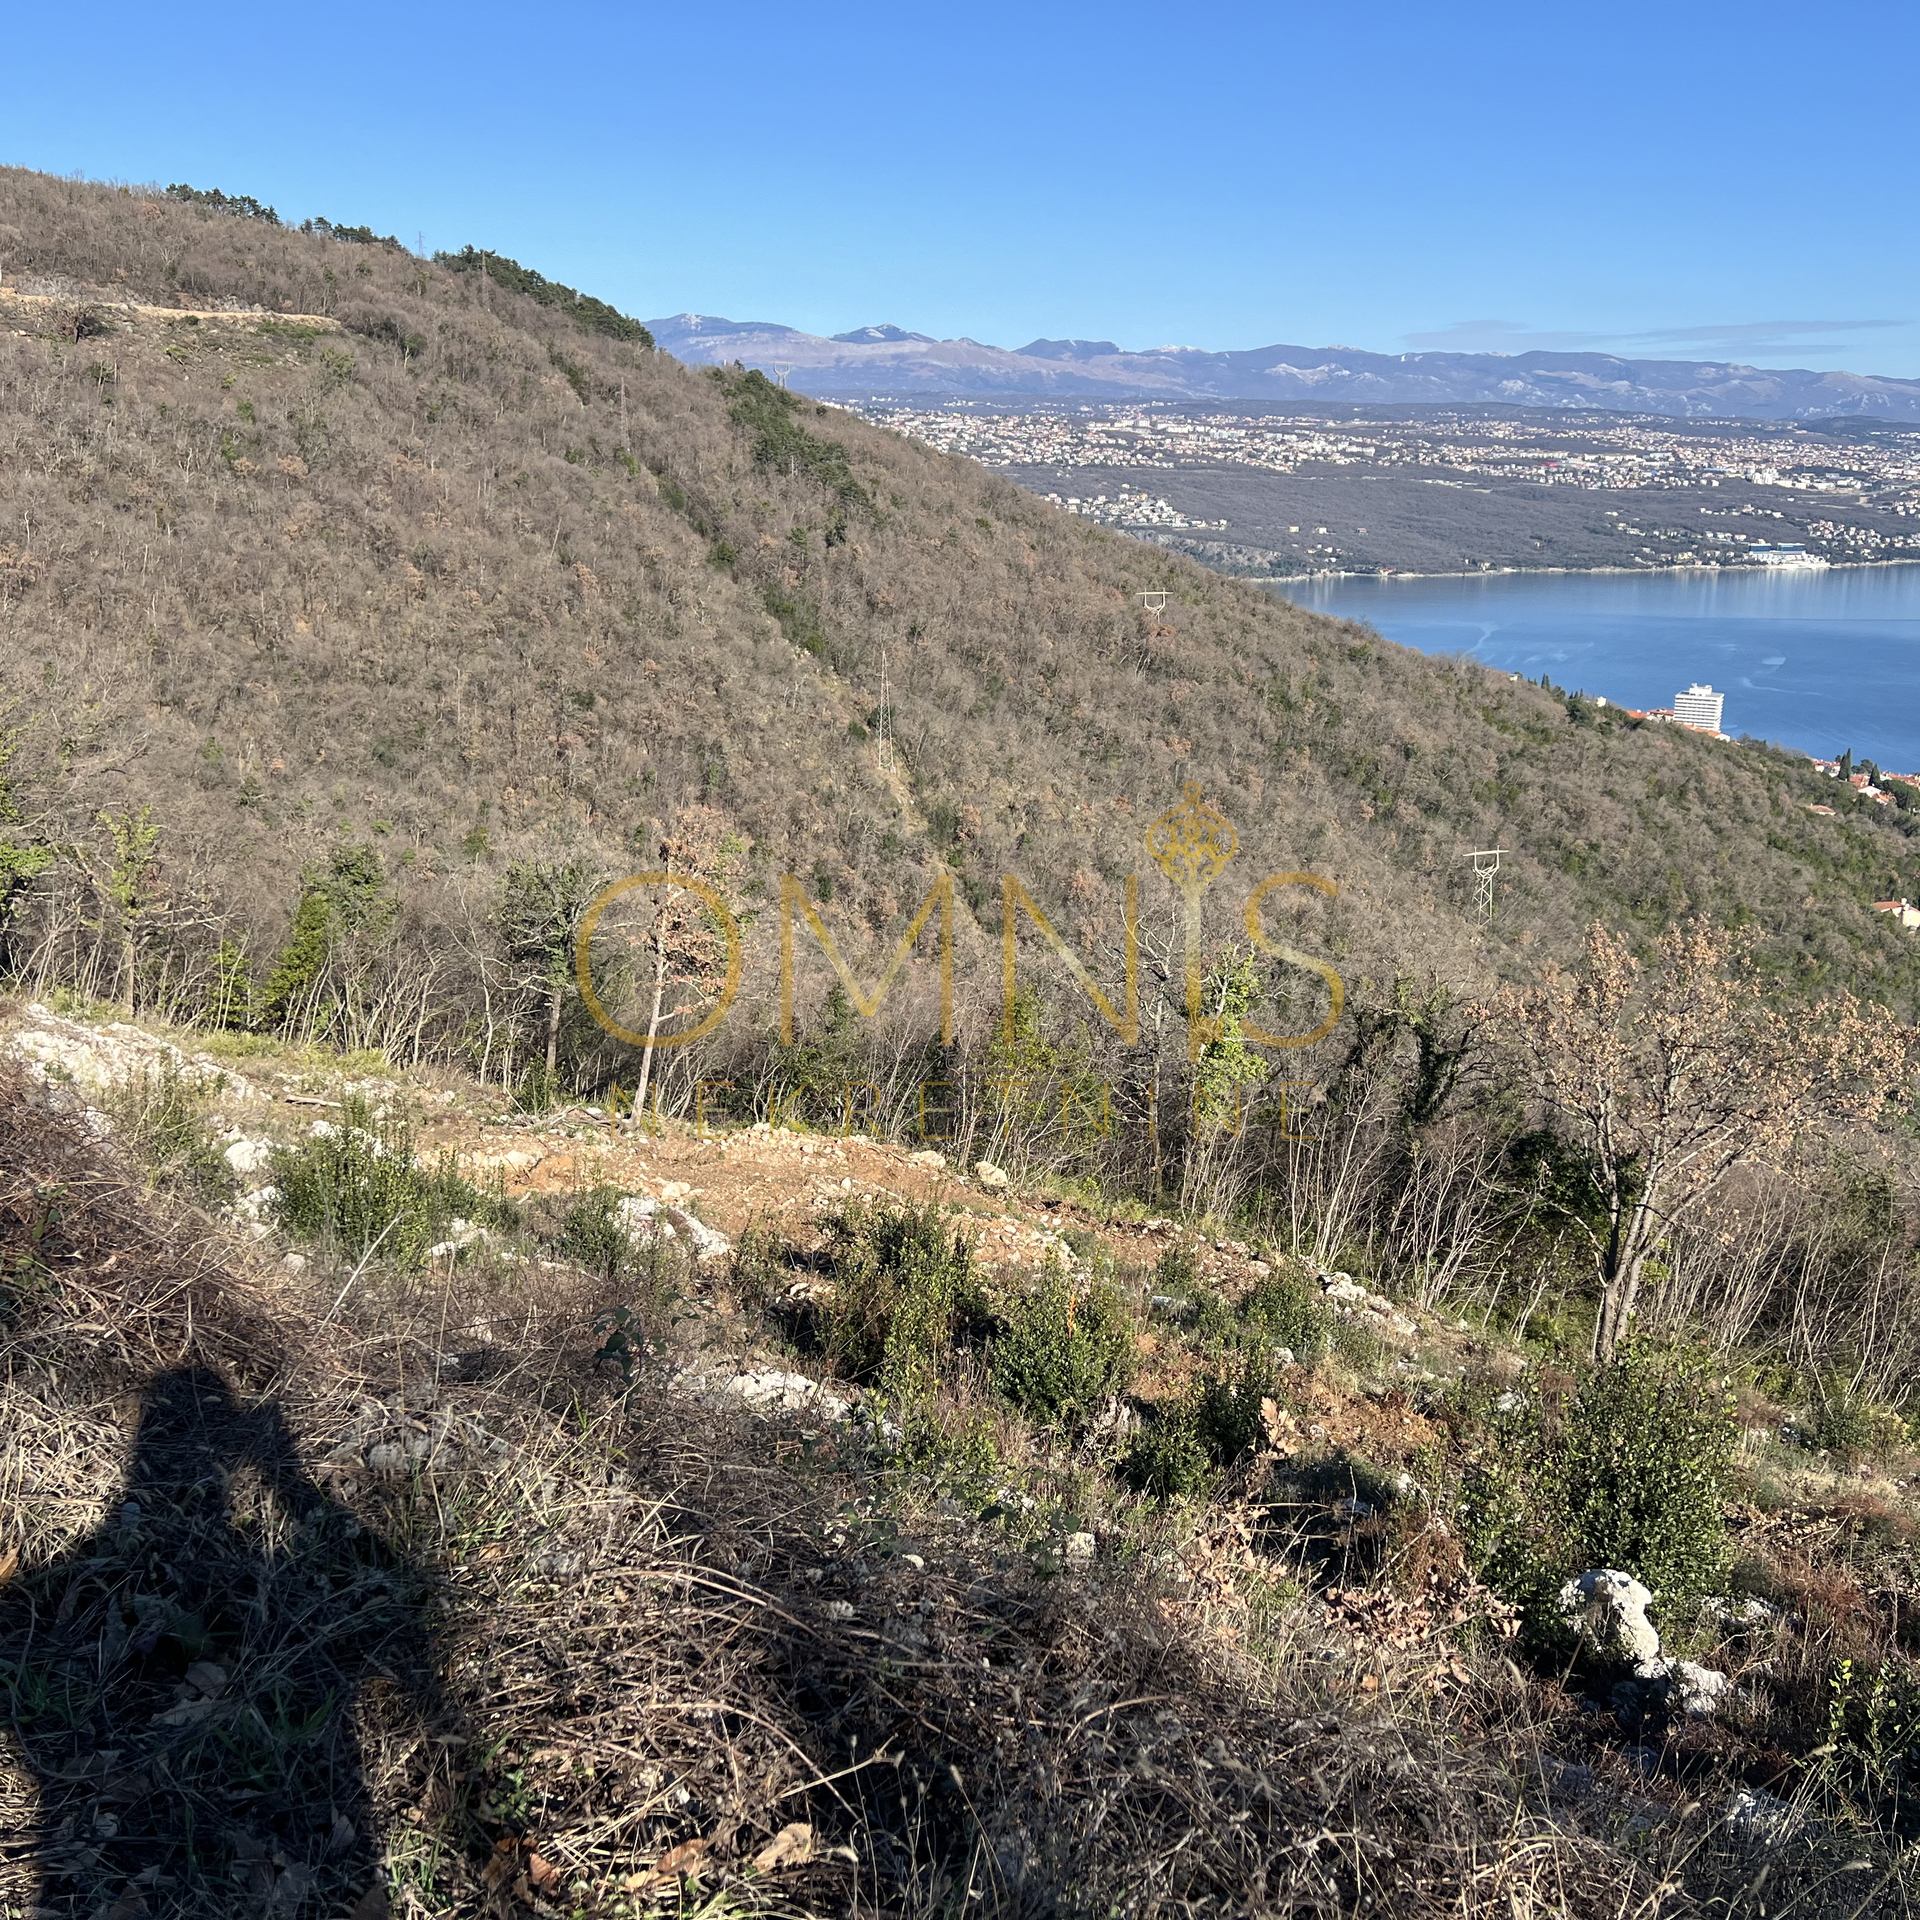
1155, 603
782, 368
883, 729
1486, 863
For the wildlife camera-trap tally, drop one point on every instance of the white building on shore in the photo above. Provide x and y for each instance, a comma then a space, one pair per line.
1699, 708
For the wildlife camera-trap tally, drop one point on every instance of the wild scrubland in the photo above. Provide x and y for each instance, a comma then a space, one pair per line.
366, 618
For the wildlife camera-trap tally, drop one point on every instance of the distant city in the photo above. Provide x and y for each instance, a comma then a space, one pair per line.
1788, 496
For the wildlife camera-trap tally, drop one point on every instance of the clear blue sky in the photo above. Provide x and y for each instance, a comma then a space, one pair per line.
1680, 179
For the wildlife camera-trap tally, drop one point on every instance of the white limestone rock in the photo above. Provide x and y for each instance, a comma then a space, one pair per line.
768, 1390
648, 1220
1609, 1610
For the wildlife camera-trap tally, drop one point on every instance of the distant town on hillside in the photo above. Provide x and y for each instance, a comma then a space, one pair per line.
1277, 495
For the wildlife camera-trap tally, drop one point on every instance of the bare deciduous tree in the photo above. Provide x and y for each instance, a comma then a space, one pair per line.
683, 945
1672, 1073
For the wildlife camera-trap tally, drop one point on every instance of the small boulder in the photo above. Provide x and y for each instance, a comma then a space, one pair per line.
1695, 1690
647, 1220
512, 1160
461, 1234
1609, 1610
994, 1179
246, 1156
1759, 1816
769, 1390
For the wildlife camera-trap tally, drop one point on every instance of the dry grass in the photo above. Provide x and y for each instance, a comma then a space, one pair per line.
423, 1612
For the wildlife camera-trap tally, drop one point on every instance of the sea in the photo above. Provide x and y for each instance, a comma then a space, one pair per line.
1821, 661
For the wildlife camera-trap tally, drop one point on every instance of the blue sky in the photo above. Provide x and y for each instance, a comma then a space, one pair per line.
1713, 180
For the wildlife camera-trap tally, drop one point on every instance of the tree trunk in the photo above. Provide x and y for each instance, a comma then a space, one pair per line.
653, 1028
555, 1001
1625, 1260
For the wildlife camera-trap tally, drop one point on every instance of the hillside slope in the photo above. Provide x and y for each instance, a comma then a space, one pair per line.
312, 544
644, 1607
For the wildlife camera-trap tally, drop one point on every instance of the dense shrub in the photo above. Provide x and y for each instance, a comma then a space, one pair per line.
1166, 1458
906, 1293
1226, 1410
1626, 1470
1848, 1423
592, 1233
1213, 1427
1063, 1349
1177, 1272
1287, 1309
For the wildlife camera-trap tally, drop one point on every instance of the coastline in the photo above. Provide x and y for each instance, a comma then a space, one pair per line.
1496, 573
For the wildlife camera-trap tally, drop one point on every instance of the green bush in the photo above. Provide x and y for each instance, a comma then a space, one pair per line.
537, 1090
1226, 1410
948, 1449
357, 1188
1177, 1272
1062, 1350
1209, 1429
1851, 1425
1287, 1309
592, 1234
905, 1294
1627, 1470
1167, 1458
758, 1273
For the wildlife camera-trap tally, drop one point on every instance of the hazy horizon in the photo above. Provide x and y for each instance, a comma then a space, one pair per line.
1497, 179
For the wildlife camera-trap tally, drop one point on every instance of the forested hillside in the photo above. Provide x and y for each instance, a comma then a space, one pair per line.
412, 573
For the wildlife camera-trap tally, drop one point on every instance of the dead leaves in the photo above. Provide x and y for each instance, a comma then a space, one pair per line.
1379, 1617
685, 1858
198, 1696
517, 1868
1280, 1428
792, 1846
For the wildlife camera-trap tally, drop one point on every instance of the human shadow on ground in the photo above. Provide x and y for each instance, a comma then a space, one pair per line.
182, 1684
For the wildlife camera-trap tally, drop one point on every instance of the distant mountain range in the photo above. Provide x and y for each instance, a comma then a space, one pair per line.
888, 360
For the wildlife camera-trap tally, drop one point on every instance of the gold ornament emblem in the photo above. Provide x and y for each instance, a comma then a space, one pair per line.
1192, 844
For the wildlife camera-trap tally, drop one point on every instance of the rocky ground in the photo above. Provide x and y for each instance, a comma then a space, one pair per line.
674, 1627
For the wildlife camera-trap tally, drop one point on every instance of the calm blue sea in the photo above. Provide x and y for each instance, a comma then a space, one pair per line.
1818, 661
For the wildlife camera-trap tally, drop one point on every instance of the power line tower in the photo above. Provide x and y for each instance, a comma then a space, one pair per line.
1153, 603
1486, 863
883, 729
782, 368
